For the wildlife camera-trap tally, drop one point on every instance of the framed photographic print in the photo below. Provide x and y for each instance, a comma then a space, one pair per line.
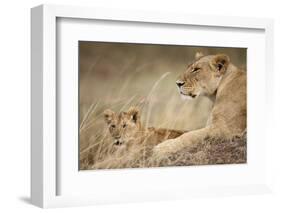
149, 106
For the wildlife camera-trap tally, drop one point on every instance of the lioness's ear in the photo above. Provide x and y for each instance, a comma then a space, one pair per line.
108, 115
221, 62
198, 55
134, 114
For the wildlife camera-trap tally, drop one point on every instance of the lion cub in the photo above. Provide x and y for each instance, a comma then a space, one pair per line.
126, 129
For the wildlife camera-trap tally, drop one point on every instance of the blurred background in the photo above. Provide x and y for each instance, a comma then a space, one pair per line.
120, 75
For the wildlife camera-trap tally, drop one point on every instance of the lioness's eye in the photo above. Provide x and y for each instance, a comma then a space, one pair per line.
113, 126
195, 69
124, 125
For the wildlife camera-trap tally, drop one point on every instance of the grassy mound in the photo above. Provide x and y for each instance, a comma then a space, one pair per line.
211, 151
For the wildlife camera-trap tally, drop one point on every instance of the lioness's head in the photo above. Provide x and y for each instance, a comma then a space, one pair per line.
202, 77
124, 126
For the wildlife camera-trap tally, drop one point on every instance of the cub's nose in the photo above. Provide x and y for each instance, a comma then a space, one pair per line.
117, 143
179, 83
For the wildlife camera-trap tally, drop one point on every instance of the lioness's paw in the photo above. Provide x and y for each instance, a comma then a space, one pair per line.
164, 149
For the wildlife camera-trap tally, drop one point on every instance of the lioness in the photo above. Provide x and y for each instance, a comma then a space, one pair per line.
216, 77
126, 129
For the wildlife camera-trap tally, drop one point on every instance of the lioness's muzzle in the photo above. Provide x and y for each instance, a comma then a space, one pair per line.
179, 83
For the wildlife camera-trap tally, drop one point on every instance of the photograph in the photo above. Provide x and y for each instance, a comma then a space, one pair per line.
161, 105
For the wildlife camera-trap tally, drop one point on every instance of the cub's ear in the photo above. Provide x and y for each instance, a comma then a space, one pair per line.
198, 55
134, 114
108, 115
221, 62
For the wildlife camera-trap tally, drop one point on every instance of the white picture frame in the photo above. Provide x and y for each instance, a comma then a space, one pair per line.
45, 169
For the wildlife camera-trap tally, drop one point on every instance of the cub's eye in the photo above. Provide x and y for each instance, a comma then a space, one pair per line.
112, 126
124, 125
195, 69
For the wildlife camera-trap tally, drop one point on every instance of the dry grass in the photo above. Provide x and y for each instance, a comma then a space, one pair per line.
211, 151
118, 76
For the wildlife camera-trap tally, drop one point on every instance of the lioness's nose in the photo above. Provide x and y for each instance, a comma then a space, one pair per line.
180, 83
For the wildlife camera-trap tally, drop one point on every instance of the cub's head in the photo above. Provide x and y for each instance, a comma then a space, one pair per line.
202, 77
124, 126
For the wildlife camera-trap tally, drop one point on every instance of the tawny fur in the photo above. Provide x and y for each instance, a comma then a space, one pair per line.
216, 77
126, 127
129, 135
